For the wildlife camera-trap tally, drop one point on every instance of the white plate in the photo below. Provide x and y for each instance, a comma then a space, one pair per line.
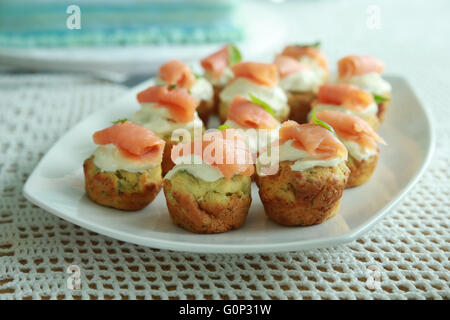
57, 185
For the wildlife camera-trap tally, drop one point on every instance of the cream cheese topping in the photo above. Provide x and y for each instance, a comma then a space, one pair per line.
275, 97
158, 120
109, 158
371, 82
194, 165
225, 77
302, 81
202, 89
303, 160
357, 151
371, 110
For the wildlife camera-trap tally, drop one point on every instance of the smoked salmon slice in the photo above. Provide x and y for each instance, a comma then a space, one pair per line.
357, 65
134, 141
350, 127
312, 138
178, 73
217, 62
313, 53
265, 74
249, 115
344, 94
178, 101
287, 65
224, 149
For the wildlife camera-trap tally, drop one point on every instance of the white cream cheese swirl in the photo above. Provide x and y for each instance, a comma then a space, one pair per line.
358, 151
158, 119
202, 90
303, 160
371, 82
225, 77
275, 96
194, 165
109, 158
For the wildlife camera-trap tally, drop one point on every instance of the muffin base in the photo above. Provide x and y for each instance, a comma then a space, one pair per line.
361, 171
205, 109
300, 104
302, 198
216, 208
122, 190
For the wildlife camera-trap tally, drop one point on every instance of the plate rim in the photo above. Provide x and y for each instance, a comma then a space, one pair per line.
300, 245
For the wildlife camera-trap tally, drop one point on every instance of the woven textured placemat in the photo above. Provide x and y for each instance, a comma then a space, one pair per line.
405, 256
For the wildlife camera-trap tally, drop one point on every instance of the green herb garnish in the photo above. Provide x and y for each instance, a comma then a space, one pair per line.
379, 99
234, 55
173, 86
316, 44
120, 121
223, 127
321, 123
262, 104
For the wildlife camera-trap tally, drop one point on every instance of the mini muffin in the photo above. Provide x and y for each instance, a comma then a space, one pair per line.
176, 73
347, 98
259, 80
209, 189
168, 112
255, 121
125, 170
217, 68
359, 139
365, 72
302, 70
307, 186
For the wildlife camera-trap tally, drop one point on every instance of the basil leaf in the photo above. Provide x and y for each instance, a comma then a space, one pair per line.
234, 55
223, 127
321, 123
262, 104
379, 99
120, 121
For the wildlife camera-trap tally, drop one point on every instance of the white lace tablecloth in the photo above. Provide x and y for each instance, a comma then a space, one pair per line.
406, 256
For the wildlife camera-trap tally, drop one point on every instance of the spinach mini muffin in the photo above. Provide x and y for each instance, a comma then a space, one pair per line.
124, 172
359, 139
365, 72
302, 69
349, 99
177, 73
167, 110
209, 189
307, 182
259, 80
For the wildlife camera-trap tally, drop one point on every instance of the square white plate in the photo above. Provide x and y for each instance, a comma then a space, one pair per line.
57, 185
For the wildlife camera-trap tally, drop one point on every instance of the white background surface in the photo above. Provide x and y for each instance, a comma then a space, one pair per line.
410, 247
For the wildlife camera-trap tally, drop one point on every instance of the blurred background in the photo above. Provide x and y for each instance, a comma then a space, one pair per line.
119, 40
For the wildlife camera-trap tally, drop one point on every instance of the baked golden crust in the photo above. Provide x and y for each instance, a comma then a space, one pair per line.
302, 198
383, 106
207, 207
217, 90
167, 163
361, 171
205, 109
281, 115
300, 105
121, 189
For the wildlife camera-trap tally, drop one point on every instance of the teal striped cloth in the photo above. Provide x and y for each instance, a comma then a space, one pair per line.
42, 23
